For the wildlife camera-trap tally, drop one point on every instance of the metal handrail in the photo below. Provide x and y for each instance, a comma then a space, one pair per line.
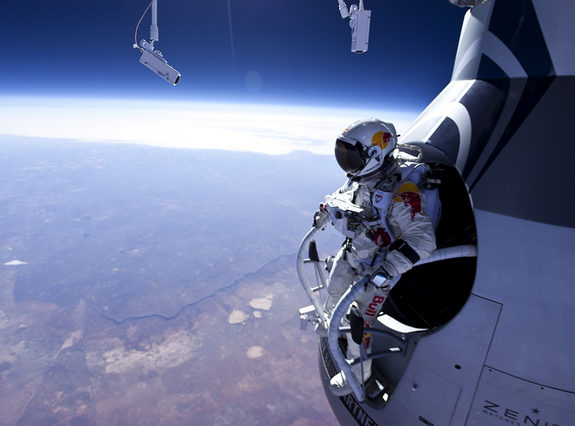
309, 288
332, 325
351, 295
333, 334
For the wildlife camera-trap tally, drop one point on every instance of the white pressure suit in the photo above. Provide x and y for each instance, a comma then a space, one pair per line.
388, 229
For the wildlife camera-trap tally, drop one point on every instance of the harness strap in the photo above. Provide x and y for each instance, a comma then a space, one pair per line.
404, 248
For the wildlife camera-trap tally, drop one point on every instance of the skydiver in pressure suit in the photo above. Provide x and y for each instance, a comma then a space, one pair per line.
381, 211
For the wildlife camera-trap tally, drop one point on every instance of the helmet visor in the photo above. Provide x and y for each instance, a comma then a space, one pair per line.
349, 156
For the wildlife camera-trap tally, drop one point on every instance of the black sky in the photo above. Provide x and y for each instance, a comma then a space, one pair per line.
299, 48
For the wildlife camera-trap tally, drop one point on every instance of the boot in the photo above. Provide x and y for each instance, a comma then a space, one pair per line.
338, 384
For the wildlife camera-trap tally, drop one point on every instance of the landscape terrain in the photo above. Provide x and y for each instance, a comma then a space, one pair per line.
148, 286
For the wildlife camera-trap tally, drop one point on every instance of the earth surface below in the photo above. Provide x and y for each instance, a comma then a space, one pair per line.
143, 285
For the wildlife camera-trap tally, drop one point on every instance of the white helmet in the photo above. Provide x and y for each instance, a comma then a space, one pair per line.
366, 147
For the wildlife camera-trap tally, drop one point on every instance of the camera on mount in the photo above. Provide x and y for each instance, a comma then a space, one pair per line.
154, 60
359, 21
151, 57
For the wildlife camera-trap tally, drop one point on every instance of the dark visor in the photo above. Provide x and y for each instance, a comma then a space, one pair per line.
348, 156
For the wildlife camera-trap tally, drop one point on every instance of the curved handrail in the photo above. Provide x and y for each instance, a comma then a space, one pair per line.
351, 295
468, 250
304, 280
333, 334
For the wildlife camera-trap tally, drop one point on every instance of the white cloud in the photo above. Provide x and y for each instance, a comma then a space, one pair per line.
268, 129
15, 263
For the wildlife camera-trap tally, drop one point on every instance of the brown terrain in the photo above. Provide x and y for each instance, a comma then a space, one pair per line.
238, 357
141, 286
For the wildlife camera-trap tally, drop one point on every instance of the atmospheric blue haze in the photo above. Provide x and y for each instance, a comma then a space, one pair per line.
293, 51
144, 285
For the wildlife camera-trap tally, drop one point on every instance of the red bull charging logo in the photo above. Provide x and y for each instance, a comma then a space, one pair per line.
413, 200
409, 195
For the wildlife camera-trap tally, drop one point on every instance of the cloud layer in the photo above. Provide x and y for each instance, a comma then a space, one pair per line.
268, 129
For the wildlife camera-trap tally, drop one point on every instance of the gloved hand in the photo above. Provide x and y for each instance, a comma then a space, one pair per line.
320, 216
380, 279
353, 221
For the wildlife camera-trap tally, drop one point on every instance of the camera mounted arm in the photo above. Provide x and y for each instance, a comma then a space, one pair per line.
154, 31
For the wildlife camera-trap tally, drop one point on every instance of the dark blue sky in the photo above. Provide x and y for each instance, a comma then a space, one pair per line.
300, 48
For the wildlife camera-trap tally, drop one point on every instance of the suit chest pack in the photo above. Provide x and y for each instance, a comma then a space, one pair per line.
353, 212
418, 174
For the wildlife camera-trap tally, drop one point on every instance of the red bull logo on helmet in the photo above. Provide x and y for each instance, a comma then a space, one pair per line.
381, 139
